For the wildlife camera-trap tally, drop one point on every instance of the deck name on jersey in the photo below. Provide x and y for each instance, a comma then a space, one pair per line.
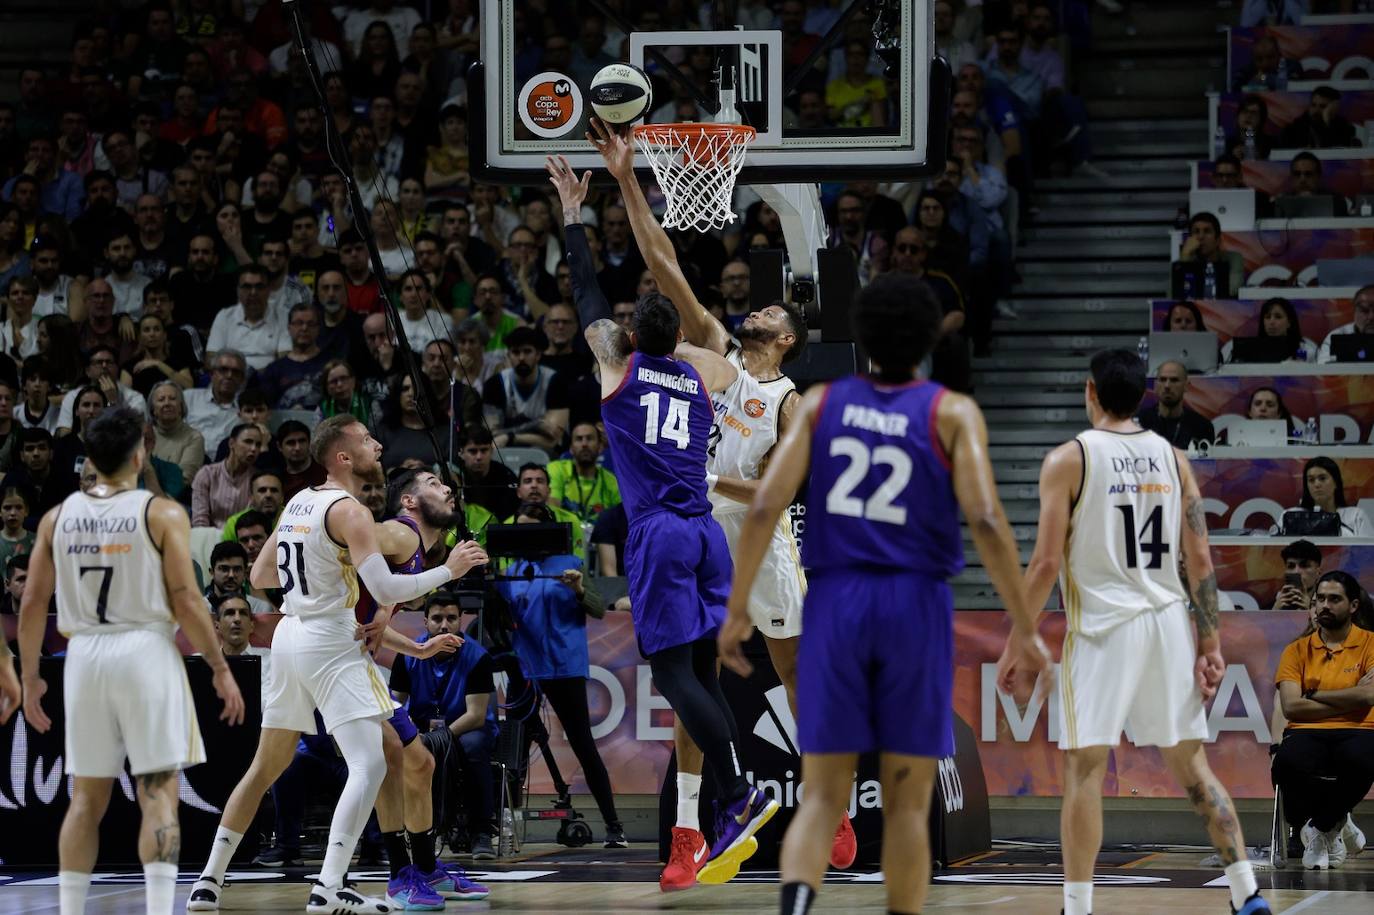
126, 525
672, 382
1135, 465
860, 417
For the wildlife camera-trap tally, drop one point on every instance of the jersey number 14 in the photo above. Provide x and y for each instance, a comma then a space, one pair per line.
677, 424
1150, 539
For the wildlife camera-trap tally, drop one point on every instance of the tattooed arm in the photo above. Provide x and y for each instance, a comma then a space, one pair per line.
611, 347
1202, 582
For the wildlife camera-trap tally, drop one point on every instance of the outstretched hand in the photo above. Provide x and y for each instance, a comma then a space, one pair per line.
439, 644
571, 191
614, 148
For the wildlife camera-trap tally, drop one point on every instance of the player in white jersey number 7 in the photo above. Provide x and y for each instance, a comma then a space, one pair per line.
324, 543
124, 583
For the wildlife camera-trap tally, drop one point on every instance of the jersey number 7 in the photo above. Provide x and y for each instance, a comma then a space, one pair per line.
102, 600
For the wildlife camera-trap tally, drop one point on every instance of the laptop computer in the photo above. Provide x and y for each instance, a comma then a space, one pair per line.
1234, 208
1190, 278
1345, 271
1353, 347
1262, 349
1197, 350
1259, 433
1308, 206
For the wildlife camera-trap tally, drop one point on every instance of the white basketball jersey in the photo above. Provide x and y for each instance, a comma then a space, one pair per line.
746, 427
1123, 546
109, 572
315, 572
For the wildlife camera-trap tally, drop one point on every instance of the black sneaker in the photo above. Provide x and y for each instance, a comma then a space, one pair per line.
482, 849
615, 836
276, 856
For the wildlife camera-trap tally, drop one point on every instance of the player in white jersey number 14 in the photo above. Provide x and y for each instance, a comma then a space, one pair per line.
1119, 511
119, 561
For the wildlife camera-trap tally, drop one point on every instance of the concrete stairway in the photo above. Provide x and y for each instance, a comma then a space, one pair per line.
1098, 249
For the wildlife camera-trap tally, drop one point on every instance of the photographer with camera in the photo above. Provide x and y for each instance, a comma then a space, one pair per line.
452, 704
549, 600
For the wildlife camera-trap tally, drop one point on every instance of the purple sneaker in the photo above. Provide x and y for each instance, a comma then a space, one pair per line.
735, 828
451, 882
410, 892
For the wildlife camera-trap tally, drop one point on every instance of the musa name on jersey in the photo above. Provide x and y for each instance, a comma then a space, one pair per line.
316, 574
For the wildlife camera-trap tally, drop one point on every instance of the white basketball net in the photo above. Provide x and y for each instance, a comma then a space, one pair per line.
696, 166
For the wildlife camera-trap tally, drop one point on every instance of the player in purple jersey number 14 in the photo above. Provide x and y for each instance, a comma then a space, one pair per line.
875, 662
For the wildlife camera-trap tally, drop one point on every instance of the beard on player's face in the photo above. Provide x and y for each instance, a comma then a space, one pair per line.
437, 513
757, 332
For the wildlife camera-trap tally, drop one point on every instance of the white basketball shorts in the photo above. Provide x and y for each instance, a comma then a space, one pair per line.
125, 694
1138, 674
316, 664
775, 603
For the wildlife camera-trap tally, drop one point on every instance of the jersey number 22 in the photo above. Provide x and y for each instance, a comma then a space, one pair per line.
878, 507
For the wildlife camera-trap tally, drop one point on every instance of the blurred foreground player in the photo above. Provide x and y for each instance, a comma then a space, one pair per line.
656, 405
892, 460
1118, 505
125, 692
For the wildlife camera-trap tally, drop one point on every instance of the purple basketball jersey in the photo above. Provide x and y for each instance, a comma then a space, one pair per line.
657, 424
881, 493
366, 608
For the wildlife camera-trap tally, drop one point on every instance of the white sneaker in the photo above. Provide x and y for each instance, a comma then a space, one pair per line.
204, 896
345, 900
1316, 854
1336, 846
1354, 838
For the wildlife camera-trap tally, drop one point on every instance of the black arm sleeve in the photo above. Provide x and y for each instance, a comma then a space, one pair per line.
591, 301
400, 675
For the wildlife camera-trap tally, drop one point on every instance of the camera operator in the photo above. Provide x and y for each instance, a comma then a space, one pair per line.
550, 641
452, 704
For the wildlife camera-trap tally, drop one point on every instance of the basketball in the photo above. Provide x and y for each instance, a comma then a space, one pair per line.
620, 93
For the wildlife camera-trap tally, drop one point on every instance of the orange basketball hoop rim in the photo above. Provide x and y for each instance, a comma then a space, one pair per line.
696, 166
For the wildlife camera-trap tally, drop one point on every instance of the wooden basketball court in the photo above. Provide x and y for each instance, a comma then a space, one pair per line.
550, 879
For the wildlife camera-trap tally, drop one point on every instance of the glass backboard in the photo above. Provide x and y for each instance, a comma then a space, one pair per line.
835, 92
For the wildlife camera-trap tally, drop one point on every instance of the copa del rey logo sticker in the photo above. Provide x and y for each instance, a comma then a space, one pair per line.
550, 104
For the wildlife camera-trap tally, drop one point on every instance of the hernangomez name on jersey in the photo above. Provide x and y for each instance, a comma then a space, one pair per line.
315, 571
748, 415
1123, 547
109, 571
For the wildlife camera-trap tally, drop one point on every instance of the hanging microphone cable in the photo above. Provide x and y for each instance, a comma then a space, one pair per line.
337, 151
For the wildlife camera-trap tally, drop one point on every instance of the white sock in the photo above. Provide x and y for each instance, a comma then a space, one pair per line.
1241, 876
336, 859
221, 850
160, 881
1078, 898
689, 801
72, 887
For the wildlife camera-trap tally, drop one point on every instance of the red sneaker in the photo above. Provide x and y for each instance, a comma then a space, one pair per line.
688, 855
846, 847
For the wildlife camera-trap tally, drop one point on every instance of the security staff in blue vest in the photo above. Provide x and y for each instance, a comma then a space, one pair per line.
550, 640
452, 699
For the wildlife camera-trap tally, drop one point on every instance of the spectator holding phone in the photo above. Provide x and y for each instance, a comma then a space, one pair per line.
1302, 564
